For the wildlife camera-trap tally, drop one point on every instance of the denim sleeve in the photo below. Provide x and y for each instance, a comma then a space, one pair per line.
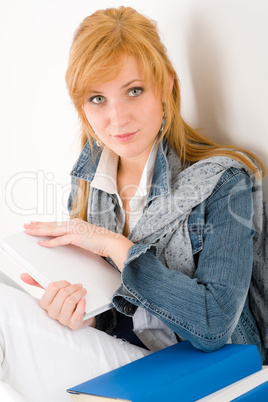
204, 309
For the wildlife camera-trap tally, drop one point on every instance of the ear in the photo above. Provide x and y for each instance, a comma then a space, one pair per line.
171, 82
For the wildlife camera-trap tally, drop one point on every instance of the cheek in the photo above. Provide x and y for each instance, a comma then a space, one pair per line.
156, 114
94, 118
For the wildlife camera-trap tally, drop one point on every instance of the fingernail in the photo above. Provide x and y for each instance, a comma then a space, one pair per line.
26, 225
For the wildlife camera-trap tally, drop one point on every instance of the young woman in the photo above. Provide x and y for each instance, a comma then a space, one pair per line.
170, 209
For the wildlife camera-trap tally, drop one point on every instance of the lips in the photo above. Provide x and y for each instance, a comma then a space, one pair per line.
125, 137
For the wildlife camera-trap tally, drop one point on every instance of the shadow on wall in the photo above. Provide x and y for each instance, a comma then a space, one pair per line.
209, 79
207, 75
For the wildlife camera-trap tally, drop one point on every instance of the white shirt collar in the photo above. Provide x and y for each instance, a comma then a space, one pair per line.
105, 178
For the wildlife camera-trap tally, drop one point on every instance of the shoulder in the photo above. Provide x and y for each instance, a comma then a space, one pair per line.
233, 180
234, 186
229, 206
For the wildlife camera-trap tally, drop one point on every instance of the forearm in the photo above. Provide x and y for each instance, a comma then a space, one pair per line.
204, 313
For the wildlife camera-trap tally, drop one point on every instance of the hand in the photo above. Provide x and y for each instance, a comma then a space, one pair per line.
75, 231
64, 302
83, 234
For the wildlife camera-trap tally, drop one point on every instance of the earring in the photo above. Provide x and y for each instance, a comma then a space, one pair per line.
98, 142
93, 134
164, 120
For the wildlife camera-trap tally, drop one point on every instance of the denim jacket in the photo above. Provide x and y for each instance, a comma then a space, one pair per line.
208, 306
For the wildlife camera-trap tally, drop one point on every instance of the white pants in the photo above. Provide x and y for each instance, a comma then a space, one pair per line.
41, 358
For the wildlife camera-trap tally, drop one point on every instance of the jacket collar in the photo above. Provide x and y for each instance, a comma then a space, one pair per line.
87, 163
160, 180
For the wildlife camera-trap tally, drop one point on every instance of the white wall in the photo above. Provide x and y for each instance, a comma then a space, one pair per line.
219, 48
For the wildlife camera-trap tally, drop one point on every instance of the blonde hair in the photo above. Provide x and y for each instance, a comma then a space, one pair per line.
96, 55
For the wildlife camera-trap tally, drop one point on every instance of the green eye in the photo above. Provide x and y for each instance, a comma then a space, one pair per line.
97, 99
135, 91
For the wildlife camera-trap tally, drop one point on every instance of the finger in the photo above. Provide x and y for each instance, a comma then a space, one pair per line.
29, 280
64, 303
76, 321
50, 293
46, 229
42, 223
57, 241
90, 322
69, 304
71, 223
38, 225
77, 226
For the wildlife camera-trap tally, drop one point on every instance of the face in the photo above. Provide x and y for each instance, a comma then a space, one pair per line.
125, 116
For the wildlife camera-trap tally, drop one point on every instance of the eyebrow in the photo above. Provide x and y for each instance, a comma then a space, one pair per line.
130, 82
124, 86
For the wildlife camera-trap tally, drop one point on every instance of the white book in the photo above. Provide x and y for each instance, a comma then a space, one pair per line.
69, 263
239, 388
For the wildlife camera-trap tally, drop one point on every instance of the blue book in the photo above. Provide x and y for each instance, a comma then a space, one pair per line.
177, 373
257, 394
250, 388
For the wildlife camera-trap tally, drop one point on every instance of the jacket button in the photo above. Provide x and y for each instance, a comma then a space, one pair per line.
128, 309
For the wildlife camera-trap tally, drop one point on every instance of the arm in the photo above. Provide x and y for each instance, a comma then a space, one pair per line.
83, 234
206, 308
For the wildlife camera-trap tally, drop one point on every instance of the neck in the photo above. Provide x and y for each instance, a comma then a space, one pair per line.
128, 176
131, 166
134, 165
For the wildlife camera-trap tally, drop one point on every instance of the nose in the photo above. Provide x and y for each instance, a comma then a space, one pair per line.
119, 115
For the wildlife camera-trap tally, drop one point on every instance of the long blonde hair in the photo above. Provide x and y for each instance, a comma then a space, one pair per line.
96, 54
